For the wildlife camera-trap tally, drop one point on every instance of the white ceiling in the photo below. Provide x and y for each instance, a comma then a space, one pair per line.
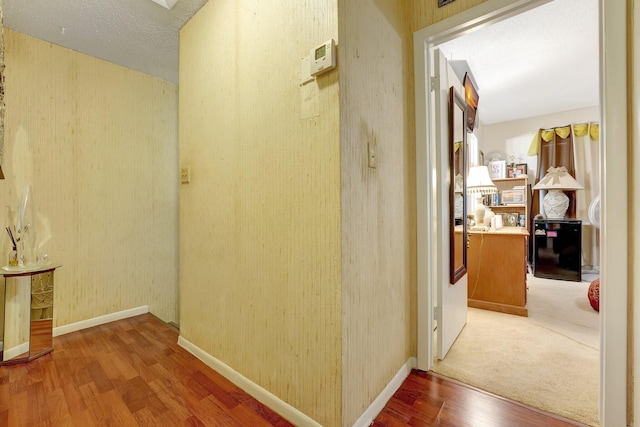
138, 34
539, 62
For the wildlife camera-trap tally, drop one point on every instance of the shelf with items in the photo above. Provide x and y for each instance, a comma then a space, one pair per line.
508, 206
522, 211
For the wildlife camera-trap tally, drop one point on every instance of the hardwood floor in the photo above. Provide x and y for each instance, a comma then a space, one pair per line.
126, 373
427, 399
133, 373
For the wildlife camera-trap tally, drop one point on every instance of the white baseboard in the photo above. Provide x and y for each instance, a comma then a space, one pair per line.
260, 394
100, 320
385, 395
16, 351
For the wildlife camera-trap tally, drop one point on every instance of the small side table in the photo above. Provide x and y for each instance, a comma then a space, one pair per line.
26, 316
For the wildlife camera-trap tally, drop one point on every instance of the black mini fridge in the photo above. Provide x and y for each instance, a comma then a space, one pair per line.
557, 246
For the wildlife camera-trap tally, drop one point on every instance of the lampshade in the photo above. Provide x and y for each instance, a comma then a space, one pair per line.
556, 181
479, 182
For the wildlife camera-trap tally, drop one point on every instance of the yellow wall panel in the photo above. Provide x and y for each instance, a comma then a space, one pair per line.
98, 144
378, 204
260, 220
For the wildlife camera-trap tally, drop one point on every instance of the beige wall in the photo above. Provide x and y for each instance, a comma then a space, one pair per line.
297, 259
495, 136
260, 220
514, 137
378, 205
97, 143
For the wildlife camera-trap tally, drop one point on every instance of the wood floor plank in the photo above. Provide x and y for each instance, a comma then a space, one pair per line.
83, 418
426, 399
171, 397
133, 373
115, 410
145, 418
246, 416
126, 373
38, 410
228, 400
57, 411
99, 377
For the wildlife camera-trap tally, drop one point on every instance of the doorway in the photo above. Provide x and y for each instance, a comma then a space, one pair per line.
613, 313
534, 76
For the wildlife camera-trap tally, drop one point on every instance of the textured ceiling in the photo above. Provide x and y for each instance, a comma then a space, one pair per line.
137, 34
542, 61
539, 62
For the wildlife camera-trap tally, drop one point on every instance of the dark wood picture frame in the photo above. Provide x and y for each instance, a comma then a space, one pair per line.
457, 165
514, 171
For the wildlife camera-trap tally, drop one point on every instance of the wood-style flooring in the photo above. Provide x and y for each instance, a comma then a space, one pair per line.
126, 373
427, 399
133, 373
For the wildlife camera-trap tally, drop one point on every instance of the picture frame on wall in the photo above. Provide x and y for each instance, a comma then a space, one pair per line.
516, 170
498, 169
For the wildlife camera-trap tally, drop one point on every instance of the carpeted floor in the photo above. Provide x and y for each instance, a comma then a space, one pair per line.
549, 360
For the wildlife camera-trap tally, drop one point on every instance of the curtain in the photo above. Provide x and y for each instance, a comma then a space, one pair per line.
587, 161
555, 148
577, 147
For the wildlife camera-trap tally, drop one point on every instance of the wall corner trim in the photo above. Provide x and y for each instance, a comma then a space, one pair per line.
367, 417
260, 394
100, 320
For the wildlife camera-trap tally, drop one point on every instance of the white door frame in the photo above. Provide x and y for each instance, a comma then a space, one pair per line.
614, 220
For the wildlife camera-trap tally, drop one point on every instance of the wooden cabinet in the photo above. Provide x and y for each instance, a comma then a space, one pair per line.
497, 270
521, 209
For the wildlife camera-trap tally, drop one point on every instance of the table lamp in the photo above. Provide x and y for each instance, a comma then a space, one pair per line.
556, 180
479, 184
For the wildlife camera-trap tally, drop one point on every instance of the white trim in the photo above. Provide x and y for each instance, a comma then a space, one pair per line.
16, 351
613, 134
614, 211
100, 320
385, 395
262, 395
425, 256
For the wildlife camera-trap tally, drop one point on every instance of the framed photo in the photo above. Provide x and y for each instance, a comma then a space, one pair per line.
517, 170
512, 197
498, 169
512, 220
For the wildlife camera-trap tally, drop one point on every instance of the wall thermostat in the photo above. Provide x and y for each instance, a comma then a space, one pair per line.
323, 58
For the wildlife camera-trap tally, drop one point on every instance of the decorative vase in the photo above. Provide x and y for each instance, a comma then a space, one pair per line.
27, 249
488, 214
13, 257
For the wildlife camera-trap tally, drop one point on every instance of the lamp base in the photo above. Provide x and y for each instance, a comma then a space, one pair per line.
478, 214
555, 204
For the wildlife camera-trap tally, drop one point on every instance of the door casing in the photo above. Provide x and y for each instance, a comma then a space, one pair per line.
614, 230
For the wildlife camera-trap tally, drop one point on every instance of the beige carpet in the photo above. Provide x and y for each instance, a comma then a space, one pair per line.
549, 360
